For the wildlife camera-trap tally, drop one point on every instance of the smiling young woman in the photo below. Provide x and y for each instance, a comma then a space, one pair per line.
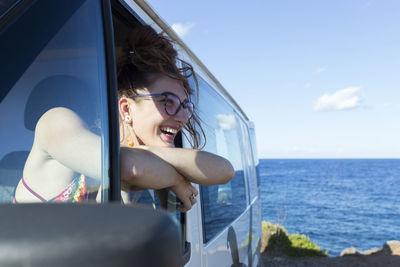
156, 115
154, 105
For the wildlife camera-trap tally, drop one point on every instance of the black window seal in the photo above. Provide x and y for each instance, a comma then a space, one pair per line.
127, 7
112, 97
203, 221
187, 252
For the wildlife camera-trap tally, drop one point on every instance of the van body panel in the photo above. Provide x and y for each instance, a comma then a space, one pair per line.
194, 236
230, 246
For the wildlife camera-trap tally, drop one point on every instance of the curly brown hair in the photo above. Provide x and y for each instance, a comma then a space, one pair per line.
147, 55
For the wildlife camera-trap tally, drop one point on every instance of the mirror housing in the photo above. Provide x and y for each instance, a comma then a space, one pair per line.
87, 235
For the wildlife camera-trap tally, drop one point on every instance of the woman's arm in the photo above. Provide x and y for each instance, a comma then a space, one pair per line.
197, 166
64, 137
62, 134
144, 169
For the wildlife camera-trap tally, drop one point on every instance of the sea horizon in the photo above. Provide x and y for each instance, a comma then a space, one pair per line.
337, 202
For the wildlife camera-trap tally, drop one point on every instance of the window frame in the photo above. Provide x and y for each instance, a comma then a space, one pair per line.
112, 101
123, 11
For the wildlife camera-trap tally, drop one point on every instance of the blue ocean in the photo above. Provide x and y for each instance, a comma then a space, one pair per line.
338, 203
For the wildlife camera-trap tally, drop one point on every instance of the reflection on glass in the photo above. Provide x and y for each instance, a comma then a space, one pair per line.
63, 66
221, 204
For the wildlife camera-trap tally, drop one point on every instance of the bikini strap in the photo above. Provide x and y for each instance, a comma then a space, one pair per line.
33, 192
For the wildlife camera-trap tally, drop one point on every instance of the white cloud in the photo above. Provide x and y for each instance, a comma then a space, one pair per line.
182, 28
347, 98
226, 122
319, 70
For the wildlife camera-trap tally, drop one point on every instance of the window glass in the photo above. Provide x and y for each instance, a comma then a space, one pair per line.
255, 153
248, 159
221, 204
54, 55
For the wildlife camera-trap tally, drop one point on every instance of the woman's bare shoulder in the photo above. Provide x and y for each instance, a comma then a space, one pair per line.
59, 115
57, 123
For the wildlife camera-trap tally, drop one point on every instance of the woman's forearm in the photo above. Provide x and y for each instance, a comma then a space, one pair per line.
144, 169
197, 166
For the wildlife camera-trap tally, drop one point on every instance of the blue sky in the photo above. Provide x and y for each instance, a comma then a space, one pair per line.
320, 79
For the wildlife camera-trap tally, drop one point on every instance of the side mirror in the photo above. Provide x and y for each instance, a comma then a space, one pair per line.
87, 235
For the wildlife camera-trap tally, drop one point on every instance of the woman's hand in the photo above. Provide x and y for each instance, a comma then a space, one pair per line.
186, 193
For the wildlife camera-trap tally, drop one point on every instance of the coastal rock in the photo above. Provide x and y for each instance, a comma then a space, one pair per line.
371, 251
388, 255
350, 252
354, 252
391, 247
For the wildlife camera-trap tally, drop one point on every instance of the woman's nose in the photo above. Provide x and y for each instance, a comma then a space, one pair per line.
181, 116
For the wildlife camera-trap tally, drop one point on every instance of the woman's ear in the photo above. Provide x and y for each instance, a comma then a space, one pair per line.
124, 110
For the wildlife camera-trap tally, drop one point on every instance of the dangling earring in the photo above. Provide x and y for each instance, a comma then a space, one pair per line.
129, 137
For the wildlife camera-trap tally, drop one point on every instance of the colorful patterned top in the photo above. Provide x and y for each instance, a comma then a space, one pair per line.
74, 192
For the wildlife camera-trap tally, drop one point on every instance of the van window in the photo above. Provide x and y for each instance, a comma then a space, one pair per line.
255, 153
221, 204
124, 22
249, 161
54, 57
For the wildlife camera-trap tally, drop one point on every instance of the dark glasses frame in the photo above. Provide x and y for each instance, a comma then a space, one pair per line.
182, 104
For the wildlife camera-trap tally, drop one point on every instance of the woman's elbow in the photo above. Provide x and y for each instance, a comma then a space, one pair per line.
228, 171
130, 170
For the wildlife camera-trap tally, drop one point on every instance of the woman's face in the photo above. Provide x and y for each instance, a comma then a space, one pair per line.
150, 122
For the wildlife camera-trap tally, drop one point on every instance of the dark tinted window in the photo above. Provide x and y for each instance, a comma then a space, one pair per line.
221, 204
54, 57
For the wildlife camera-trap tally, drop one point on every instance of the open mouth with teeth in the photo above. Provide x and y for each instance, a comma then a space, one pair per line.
169, 133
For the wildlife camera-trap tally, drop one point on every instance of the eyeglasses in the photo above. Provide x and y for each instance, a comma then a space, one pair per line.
172, 103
